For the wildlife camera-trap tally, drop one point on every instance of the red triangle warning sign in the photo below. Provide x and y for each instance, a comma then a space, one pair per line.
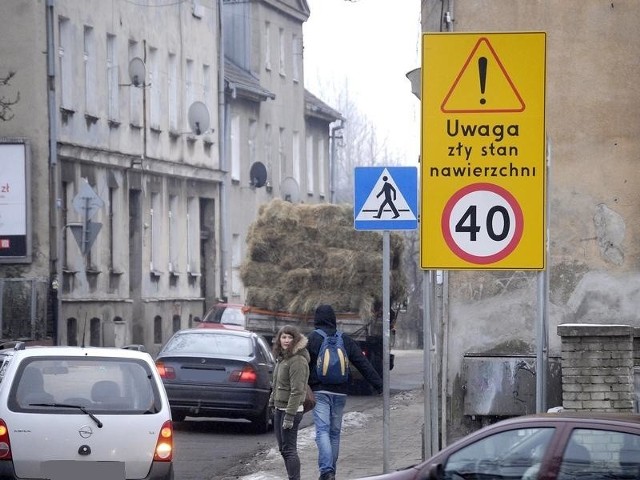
483, 85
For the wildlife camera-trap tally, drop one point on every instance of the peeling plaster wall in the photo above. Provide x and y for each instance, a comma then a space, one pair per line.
592, 122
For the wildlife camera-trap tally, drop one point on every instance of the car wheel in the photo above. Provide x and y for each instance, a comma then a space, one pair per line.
177, 416
263, 422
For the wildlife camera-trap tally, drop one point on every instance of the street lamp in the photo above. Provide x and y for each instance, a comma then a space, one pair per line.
416, 83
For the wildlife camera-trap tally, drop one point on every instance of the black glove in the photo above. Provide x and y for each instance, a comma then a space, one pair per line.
287, 423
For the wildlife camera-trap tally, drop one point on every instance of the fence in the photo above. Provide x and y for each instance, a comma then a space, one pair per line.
24, 309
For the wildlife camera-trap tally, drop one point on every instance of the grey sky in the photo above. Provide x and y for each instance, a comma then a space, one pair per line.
369, 45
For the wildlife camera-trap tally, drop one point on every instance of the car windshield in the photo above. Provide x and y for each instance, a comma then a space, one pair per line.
211, 343
509, 454
100, 385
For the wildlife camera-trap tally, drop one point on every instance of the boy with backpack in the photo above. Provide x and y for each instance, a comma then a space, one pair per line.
331, 356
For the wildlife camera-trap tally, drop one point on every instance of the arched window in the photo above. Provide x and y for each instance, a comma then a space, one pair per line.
176, 323
72, 331
94, 332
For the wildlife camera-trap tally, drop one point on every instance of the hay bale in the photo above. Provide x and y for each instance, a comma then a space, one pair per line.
301, 255
267, 298
259, 273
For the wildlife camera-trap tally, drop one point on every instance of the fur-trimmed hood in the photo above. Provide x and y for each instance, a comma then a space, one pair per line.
299, 345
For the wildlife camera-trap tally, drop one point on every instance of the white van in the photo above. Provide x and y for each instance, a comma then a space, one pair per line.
83, 412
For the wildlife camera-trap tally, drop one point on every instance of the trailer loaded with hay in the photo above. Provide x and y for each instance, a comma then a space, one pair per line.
300, 256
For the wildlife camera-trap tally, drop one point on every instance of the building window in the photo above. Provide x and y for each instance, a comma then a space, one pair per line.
322, 165
113, 88
155, 227
157, 329
72, 331
172, 85
295, 156
155, 100
176, 323
282, 62
90, 72
94, 332
173, 234
310, 164
235, 147
251, 141
193, 236
282, 156
267, 46
65, 53
236, 262
206, 85
296, 53
135, 93
64, 212
189, 93
111, 213
267, 147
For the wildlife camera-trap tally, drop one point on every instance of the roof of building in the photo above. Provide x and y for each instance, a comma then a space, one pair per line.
243, 83
314, 107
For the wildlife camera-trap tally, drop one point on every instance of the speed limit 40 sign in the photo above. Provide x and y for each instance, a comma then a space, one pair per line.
483, 175
482, 223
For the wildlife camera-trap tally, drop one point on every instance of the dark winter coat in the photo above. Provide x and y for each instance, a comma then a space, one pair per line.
325, 319
290, 378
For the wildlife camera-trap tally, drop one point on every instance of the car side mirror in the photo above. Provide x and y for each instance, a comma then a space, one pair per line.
435, 472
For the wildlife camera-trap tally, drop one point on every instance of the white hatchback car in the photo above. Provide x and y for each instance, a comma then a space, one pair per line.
83, 412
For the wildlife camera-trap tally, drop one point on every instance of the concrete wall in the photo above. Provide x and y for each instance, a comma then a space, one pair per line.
592, 119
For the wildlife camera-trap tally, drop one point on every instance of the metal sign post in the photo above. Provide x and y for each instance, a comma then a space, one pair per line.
385, 198
426, 354
386, 332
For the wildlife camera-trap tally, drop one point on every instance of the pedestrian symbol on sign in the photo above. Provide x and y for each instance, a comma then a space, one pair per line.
388, 190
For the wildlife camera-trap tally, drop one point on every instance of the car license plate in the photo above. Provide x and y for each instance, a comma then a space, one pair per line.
67, 469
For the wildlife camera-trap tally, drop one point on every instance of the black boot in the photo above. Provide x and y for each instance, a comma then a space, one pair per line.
327, 476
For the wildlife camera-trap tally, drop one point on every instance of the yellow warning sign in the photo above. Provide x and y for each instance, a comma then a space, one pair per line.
483, 85
483, 169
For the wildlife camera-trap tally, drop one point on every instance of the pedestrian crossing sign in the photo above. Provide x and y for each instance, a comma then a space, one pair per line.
385, 198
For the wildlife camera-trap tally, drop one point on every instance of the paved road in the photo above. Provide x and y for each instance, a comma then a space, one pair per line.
208, 448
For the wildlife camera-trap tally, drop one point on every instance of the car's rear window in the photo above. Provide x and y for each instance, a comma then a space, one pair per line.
105, 385
209, 343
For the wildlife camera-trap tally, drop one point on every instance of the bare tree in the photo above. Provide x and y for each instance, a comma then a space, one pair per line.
6, 103
359, 145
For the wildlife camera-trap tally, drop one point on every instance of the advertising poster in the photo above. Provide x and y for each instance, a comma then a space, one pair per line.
13, 201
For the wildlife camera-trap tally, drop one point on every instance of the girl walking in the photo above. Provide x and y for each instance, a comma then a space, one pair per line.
290, 379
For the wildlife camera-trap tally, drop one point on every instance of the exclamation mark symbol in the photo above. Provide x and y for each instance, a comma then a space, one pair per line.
482, 70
